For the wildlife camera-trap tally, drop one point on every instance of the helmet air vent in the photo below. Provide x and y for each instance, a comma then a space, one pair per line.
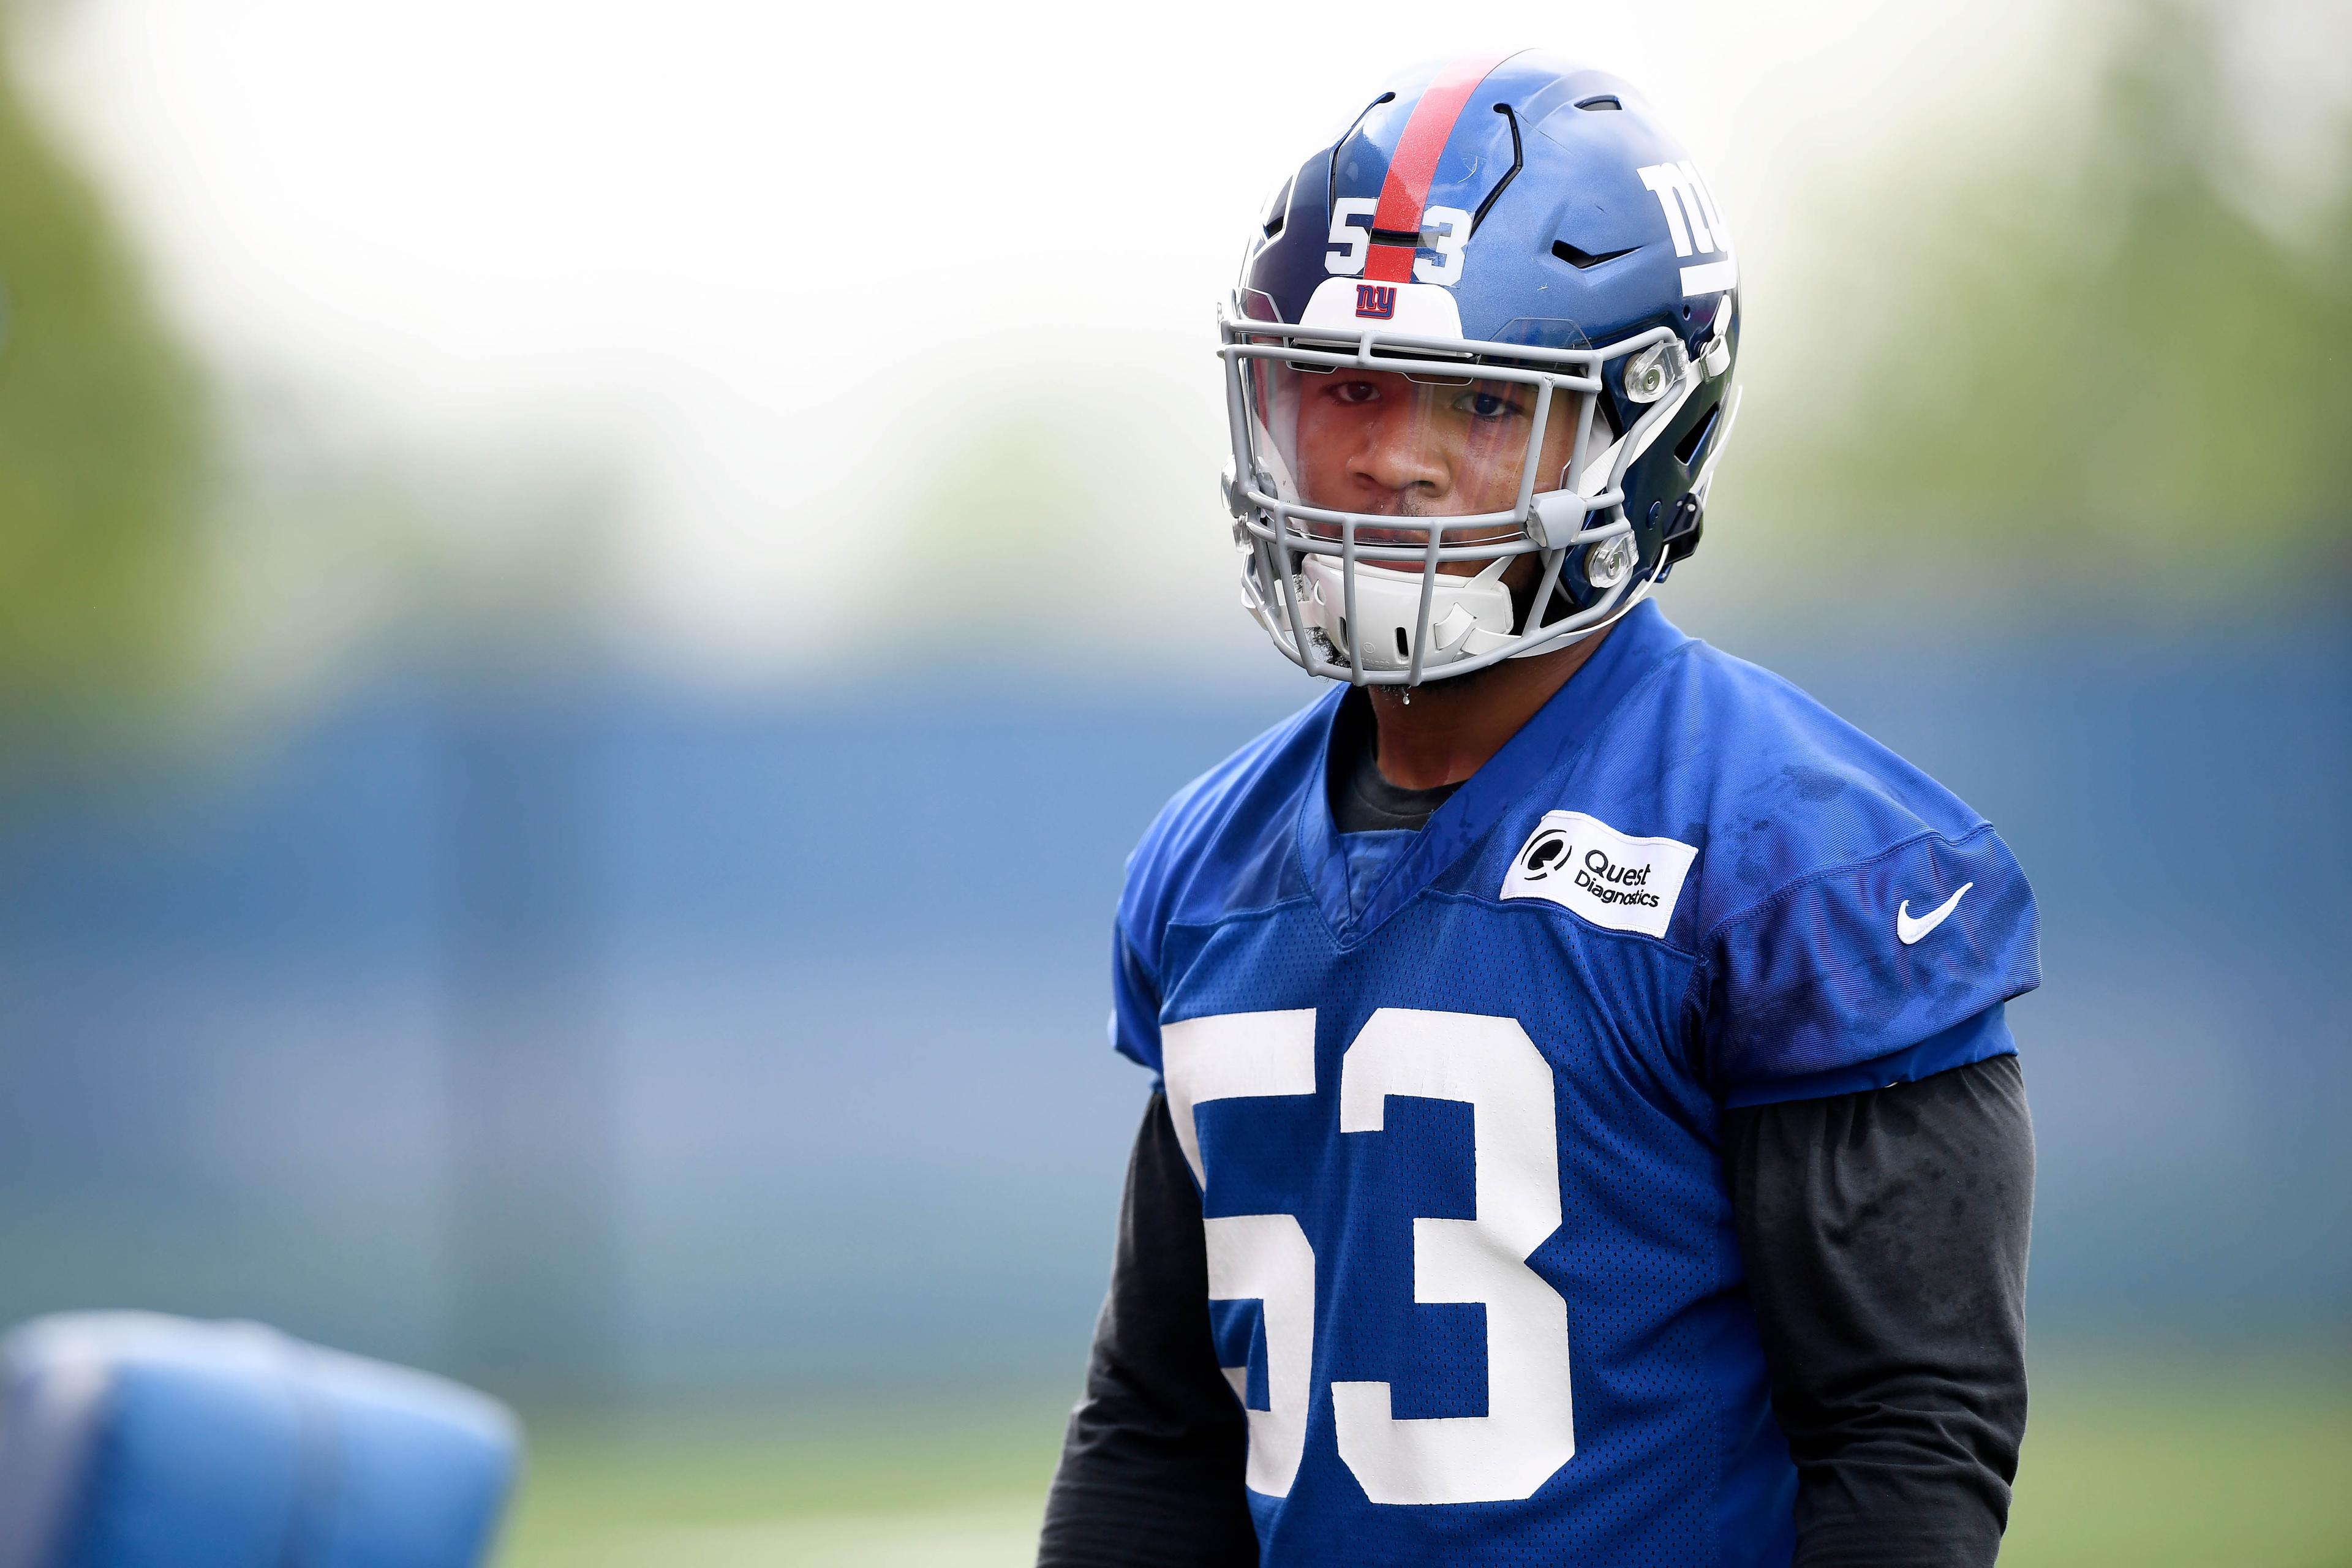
1518, 157
1687, 449
1278, 207
1599, 103
1331, 172
1585, 260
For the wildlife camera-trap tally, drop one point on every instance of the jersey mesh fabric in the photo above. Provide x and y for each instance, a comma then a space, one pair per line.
1668, 1382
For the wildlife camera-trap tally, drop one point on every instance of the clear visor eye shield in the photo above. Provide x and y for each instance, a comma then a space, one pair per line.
1383, 484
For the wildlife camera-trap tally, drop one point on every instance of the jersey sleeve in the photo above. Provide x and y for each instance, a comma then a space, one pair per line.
1884, 970
1135, 1004
1217, 839
1143, 904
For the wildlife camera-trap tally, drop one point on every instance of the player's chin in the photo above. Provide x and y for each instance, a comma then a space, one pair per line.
1438, 685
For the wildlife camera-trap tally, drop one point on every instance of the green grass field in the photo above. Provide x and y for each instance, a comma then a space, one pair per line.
2132, 1463
2140, 1463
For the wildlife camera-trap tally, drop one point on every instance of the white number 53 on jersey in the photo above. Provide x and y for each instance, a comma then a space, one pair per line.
1489, 1064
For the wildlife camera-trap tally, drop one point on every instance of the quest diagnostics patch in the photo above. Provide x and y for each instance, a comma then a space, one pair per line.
1582, 863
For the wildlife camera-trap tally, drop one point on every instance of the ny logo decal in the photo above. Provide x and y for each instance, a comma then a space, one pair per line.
1694, 224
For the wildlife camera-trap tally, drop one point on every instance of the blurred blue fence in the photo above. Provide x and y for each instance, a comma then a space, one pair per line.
599, 1039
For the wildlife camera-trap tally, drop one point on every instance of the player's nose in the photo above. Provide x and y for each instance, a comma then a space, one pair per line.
1397, 454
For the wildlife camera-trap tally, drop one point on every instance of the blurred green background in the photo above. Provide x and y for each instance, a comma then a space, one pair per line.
2133, 1459
492, 554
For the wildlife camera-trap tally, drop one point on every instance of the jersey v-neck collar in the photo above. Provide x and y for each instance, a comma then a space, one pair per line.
1635, 646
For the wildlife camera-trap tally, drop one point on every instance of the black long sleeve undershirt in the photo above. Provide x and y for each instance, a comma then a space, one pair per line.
1151, 1468
1884, 1236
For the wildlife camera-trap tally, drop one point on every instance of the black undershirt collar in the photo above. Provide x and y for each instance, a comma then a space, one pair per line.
1363, 799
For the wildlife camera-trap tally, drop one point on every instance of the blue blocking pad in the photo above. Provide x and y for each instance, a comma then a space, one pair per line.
138, 1441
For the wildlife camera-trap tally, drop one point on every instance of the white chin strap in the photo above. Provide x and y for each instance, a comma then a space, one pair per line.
1468, 616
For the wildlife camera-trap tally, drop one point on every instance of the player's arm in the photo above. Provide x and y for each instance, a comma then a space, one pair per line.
1153, 1465
1884, 1233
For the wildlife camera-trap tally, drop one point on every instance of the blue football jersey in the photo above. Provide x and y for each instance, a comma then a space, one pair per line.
1452, 1097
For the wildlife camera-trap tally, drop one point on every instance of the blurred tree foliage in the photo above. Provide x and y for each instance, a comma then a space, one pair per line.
2086, 348
102, 453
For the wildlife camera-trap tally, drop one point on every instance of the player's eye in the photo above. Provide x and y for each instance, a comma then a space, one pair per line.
1355, 391
1484, 404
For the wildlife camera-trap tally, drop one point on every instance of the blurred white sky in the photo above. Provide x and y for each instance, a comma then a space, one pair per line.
763, 263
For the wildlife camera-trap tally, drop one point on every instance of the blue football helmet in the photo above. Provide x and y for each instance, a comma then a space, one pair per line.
1478, 370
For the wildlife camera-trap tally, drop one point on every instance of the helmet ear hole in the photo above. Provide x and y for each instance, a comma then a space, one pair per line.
1403, 651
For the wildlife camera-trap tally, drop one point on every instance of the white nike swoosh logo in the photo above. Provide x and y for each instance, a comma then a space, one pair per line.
1908, 930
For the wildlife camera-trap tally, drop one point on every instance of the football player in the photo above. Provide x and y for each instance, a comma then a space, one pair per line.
1585, 1129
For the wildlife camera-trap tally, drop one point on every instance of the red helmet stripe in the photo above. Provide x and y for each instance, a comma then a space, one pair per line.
1426, 132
